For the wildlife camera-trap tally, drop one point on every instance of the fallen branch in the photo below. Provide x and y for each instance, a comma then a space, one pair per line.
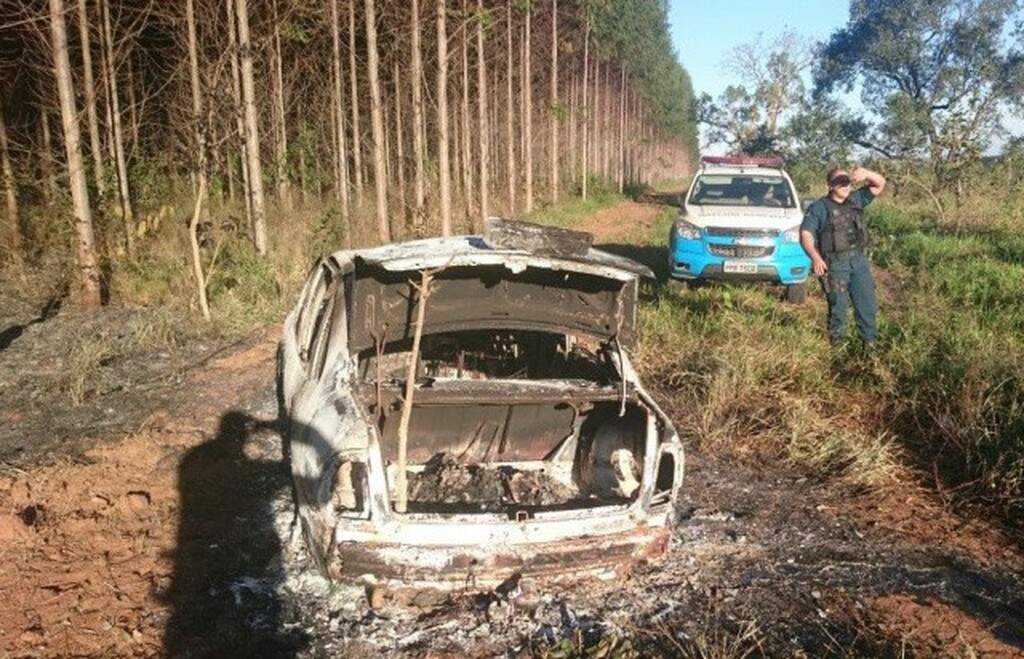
401, 482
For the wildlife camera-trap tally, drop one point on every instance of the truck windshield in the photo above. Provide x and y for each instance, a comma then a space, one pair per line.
742, 190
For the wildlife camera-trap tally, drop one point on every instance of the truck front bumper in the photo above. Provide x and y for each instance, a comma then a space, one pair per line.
786, 264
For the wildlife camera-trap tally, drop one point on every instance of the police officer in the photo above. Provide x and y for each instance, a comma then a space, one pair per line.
835, 236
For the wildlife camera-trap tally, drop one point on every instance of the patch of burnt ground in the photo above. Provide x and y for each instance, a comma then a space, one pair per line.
762, 564
69, 376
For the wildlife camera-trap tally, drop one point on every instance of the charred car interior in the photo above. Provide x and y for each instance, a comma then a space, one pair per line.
526, 444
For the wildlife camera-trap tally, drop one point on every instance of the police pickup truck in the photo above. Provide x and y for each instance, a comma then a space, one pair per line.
740, 220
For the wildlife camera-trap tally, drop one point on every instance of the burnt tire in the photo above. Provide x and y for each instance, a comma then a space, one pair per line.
796, 293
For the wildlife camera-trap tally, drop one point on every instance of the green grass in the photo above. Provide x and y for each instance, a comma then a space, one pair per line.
748, 375
574, 210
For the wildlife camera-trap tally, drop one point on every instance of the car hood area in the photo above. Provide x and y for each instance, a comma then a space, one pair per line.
738, 217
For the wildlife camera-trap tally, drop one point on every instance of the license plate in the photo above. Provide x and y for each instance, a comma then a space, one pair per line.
741, 268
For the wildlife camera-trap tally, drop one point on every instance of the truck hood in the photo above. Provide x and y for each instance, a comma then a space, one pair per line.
779, 219
480, 285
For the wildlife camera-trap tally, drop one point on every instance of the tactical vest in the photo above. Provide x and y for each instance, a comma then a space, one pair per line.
845, 230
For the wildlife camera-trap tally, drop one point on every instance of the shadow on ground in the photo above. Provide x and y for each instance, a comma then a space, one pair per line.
224, 592
14, 332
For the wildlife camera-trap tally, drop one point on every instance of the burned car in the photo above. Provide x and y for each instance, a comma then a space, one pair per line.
522, 445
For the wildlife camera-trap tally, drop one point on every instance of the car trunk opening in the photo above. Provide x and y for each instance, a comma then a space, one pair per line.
512, 423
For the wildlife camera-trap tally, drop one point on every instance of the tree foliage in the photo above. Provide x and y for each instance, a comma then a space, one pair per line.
636, 32
939, 75
750, 117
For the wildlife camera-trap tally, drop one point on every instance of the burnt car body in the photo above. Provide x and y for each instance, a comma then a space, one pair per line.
533, 449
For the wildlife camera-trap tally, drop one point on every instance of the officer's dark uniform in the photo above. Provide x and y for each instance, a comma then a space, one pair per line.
841, 236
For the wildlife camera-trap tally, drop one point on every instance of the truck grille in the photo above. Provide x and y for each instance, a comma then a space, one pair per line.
741, 251
742, 233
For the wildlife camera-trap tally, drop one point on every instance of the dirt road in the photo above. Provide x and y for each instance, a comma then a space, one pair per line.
169, 535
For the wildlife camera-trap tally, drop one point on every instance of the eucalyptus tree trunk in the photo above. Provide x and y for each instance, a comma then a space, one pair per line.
90, 99
510, 149
377, 124
284, 193
85, 247
399, 141
553, 110
620, 166
417, 122
236, 100
252, 135
338, 127
10, 189
444, 173
200, 137
357, 142
573, 113
585, 111
46, 162
133, 105
115, 111
527, 91
481, 101
467, 175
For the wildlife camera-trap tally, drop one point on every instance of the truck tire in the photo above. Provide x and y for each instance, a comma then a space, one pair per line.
678, 285
796, 293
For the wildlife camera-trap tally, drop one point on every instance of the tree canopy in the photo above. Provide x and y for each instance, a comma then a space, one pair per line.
939, 75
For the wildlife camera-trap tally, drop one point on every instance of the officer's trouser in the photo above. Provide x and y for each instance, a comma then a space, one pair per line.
849, 278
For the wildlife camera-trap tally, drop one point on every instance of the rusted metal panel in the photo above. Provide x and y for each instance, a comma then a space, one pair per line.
581, 556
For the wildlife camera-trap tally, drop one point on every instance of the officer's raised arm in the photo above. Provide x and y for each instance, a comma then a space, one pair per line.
876, 182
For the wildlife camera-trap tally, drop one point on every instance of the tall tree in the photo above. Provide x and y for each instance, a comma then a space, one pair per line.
46, 159
938, 74
466, 157
585, 110
553, 110
90, 98
417, 120
527, 89
481, 104
252, 134
510, 149
444, 173
200, 165
10, 188
236, 106
85, 247
284, 194
357, 139
118, 133
338, 126
377, 124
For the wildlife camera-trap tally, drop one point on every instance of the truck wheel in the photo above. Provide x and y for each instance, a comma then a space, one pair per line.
796, 293
678, 285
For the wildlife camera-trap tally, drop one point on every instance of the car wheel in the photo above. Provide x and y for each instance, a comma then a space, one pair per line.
678, 285
796, 293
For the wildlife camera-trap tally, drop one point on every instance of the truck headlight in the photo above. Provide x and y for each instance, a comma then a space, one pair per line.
687, 231
792, 235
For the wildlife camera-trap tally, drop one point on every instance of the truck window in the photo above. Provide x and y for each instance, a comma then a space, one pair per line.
742, 190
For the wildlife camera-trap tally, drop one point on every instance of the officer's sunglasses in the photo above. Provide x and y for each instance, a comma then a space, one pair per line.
840, 182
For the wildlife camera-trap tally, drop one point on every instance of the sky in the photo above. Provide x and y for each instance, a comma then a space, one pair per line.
704, 31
